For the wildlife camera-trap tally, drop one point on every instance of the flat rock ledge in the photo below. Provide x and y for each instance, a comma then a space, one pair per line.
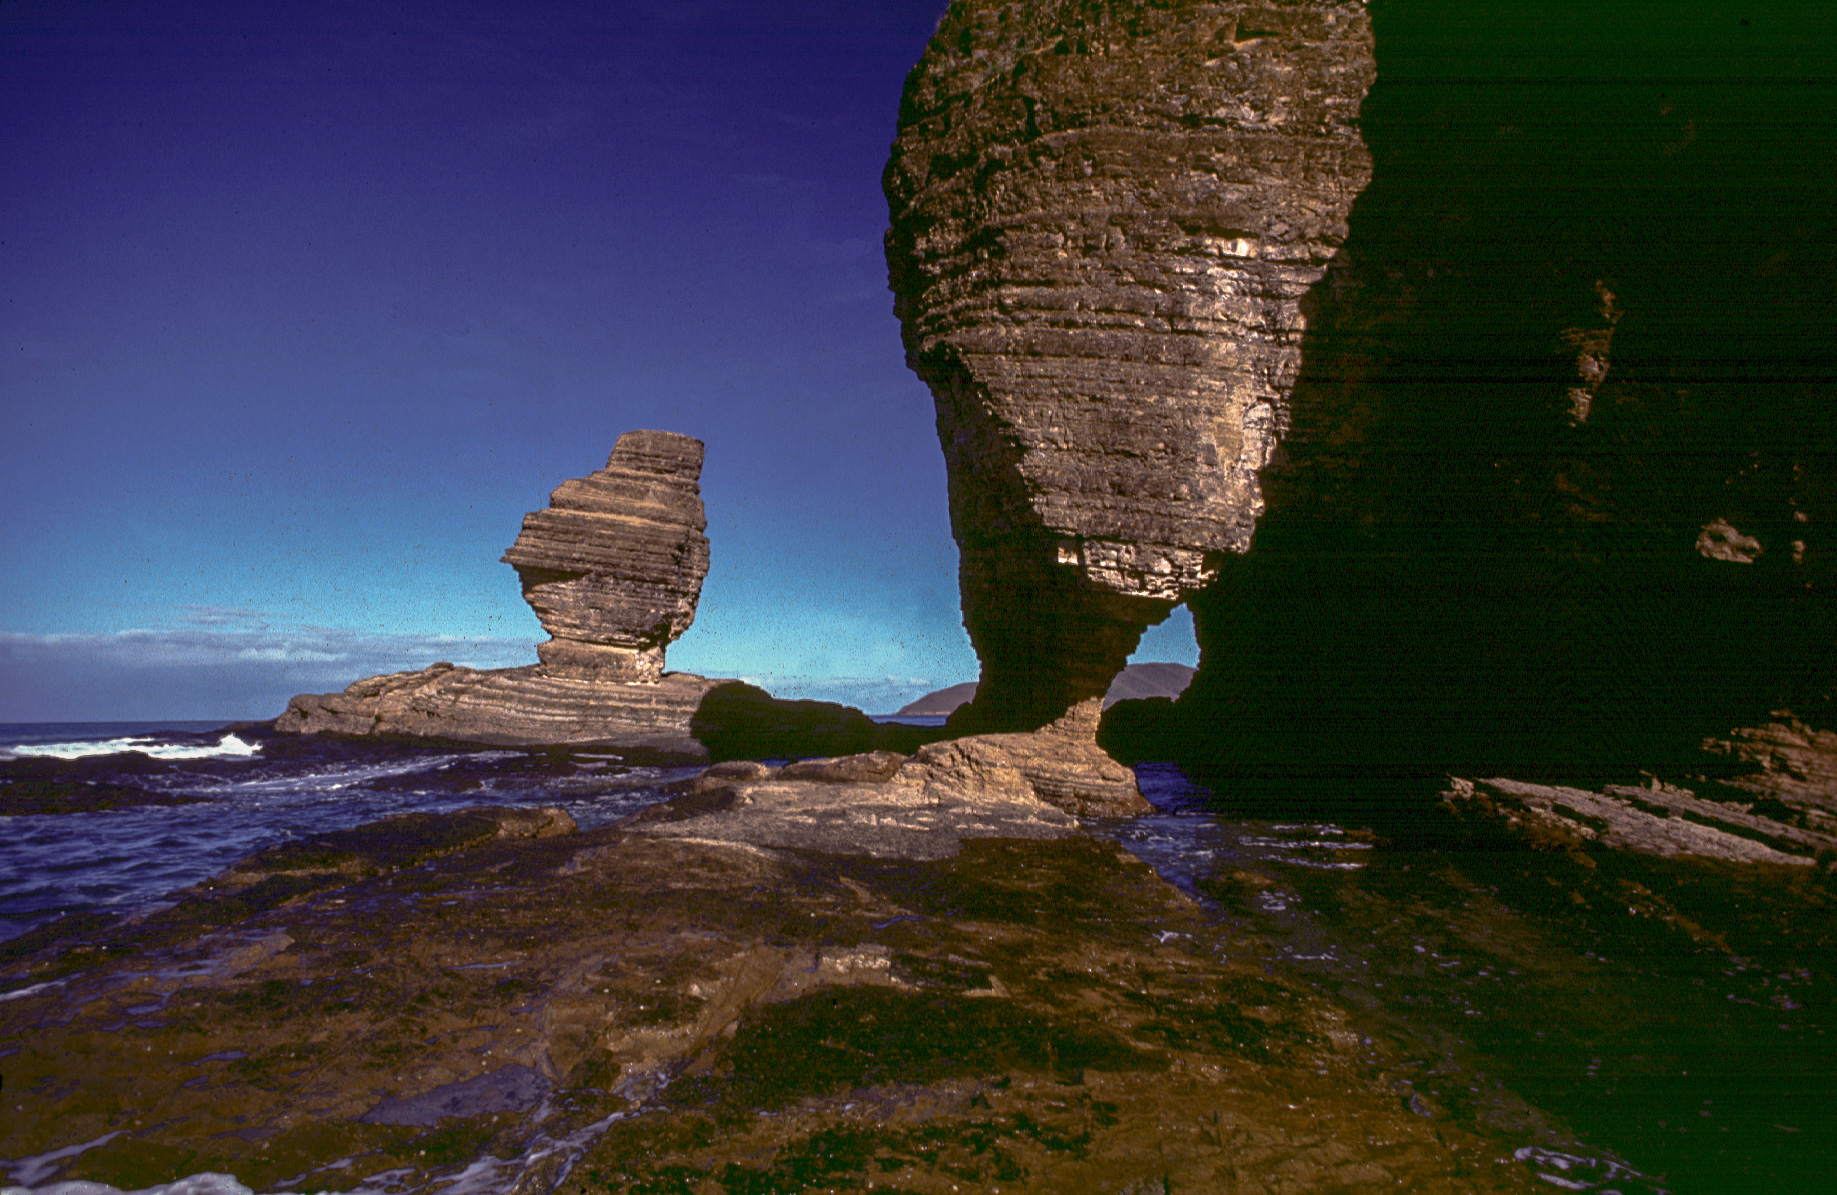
1020, 781
528, 706
884, 805
613, 568
1655, 819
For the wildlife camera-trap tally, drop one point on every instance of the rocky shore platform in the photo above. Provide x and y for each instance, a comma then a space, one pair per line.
700, 999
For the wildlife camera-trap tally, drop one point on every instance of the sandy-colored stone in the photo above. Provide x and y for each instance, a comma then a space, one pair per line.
1658, 819
1103, 221
614, 566
513, 707
614, 569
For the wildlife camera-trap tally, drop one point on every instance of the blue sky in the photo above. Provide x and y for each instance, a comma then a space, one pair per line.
302, 307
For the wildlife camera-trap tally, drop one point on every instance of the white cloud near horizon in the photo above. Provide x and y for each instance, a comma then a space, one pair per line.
216, 663
240, 664
236, 663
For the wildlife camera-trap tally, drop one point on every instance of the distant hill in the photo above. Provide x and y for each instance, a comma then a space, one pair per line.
943, 701
1137, 680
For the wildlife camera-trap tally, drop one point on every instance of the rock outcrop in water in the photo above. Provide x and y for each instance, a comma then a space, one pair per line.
1104, 219
512, 707
613, 568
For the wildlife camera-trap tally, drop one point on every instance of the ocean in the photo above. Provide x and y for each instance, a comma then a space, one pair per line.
1619, 1053
228, 794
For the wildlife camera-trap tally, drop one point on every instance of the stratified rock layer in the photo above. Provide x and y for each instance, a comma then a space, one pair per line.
1556, 464
1104, 218
614, 566
511, 707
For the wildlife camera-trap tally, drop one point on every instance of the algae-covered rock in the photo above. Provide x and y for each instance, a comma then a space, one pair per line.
620, 1011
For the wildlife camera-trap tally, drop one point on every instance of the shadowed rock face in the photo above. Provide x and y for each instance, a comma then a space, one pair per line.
1557, 490
614, 566
1104, 218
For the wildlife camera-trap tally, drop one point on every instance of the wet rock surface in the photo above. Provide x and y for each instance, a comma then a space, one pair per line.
22, 796
1679, 1006
780, 978
633, 1012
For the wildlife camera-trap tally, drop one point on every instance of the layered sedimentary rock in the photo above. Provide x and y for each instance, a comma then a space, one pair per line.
613, 568
1539, 468
1104, 218
512, 707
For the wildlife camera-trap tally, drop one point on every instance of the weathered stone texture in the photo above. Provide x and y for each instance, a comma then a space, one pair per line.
511, 706
614, 566
1104, 217
1555, 455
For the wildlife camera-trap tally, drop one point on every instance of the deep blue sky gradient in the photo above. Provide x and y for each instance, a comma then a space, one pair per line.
304, 306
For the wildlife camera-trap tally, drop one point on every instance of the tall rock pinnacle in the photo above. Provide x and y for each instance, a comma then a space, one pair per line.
1104, 218
614, 566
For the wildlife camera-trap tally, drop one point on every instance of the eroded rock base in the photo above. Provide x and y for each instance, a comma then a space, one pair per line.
510, 706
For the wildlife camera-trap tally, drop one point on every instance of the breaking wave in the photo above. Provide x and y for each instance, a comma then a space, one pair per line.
229, 746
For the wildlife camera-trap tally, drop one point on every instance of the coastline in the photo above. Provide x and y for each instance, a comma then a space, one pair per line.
1446, 969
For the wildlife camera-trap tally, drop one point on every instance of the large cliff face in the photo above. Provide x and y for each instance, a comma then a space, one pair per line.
1104, 218
1538, 471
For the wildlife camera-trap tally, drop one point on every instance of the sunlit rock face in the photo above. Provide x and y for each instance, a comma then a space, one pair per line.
614, 566
1104, 217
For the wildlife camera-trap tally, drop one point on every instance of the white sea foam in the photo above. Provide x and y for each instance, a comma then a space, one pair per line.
30, 1170
195, 1184
228, 747
548, 1160
1578, 1173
